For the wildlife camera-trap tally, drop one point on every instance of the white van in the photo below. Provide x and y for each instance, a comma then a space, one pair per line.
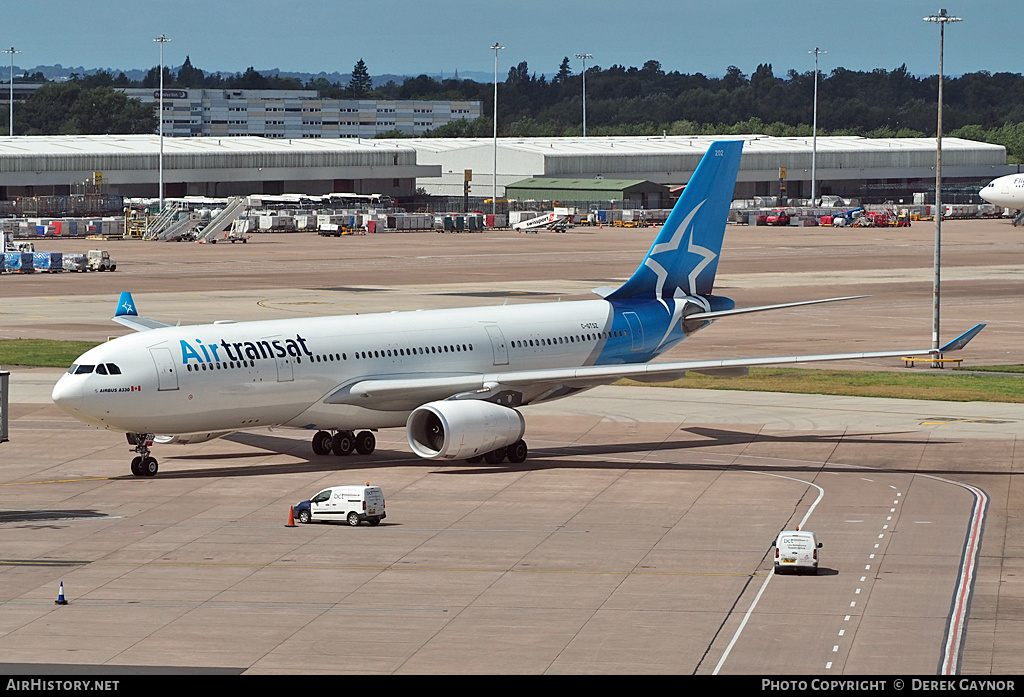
796, 550
352, 504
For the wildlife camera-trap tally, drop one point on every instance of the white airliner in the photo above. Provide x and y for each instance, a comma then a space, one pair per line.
453, 378
1007, 191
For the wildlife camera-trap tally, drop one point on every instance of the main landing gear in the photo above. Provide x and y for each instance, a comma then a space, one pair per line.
143, 465
343, 442
515, 454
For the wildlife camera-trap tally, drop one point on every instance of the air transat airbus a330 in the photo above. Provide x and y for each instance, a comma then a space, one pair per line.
454, 379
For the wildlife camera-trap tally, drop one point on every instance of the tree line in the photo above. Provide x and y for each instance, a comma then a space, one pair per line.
621, 100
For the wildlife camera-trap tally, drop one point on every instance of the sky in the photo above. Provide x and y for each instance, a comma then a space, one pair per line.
442, 36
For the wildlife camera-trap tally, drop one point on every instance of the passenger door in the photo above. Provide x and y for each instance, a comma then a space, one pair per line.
167, 378
636, 330
498, 345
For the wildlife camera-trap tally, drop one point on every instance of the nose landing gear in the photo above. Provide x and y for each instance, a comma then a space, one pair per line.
143, 465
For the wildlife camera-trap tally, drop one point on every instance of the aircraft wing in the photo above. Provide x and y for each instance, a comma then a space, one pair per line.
401, 392
127, 315
139, 324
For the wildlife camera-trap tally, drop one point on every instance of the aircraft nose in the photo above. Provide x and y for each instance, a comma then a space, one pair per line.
67, 393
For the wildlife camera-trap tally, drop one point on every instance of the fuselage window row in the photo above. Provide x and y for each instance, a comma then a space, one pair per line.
321, 358
534, 343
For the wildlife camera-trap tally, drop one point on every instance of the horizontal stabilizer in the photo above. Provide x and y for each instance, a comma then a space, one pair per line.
763, 308
139, 324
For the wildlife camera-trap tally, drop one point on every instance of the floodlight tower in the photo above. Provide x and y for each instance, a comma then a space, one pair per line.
494, 174
584, 57
814, 128
942, 18
161, 40
11, 50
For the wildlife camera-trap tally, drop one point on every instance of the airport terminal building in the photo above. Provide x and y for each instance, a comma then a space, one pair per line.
870, 170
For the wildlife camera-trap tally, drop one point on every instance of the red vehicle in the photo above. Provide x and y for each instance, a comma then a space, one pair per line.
777, 216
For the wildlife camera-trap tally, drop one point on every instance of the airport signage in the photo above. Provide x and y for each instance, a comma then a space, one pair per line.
171, 94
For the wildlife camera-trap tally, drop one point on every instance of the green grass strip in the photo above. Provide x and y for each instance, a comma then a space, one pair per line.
943, 385
42, 353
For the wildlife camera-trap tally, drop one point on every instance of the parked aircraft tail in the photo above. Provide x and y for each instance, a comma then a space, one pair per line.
684, 257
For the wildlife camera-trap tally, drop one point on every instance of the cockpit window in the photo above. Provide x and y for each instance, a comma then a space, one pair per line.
84, 369
72, 369
101, 369
113, 369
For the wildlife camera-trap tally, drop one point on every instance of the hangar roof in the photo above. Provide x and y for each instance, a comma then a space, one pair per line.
583, 156
117, 152
585, 184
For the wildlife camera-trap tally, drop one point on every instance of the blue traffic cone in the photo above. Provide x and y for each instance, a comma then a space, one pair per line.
60, 596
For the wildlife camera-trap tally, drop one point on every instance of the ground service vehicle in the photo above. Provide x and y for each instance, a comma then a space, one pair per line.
352, 504
796, 550
99, 260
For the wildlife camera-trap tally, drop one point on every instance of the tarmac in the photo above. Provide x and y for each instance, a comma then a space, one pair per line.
637, 537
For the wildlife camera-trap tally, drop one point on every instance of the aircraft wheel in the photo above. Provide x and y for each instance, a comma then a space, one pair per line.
149, 467
365, 443
322, 443
342, 443
517, 452
137, 466
495, 457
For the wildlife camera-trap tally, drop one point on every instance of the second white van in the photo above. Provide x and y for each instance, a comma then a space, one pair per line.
796, 550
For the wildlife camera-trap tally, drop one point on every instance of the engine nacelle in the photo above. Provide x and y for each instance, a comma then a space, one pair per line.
459, 429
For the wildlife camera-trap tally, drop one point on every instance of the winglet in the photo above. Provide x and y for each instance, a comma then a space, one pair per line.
127, 315
125, 305
961, 341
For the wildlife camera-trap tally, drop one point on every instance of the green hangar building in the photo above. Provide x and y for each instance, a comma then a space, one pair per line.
639, 193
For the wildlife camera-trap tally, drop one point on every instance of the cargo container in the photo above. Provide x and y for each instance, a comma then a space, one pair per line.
521, 216
276, 223
50, 262
18, 262
75, 262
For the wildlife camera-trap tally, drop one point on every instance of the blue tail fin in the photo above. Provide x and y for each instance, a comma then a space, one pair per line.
125, 305
685, 254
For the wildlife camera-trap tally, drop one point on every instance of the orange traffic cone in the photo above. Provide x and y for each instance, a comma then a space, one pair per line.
291, 518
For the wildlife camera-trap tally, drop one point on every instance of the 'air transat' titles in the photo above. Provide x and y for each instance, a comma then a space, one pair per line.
243, 350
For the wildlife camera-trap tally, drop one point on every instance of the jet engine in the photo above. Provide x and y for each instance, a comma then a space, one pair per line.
460, 429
